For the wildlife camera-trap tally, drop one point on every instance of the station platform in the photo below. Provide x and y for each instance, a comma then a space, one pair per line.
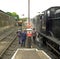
32, 53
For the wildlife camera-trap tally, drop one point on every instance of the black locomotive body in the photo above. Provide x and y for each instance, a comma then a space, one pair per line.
49, 24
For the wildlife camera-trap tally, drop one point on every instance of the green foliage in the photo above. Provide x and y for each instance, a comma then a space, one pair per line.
23, 19
9, 13
14, 14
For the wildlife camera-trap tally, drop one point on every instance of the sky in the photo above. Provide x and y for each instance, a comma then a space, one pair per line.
21, 6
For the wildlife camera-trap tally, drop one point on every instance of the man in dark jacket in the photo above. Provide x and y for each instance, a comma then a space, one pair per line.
24, 38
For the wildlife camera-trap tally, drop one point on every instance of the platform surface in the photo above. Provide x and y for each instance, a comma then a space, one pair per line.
30, 54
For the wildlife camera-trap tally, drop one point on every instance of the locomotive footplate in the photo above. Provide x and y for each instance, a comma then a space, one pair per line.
52, 42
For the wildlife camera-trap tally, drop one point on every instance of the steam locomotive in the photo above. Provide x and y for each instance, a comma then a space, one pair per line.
48, 25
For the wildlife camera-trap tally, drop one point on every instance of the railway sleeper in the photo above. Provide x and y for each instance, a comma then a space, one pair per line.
7, 47
5, 35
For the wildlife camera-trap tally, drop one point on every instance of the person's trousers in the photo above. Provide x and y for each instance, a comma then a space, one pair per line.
34, 39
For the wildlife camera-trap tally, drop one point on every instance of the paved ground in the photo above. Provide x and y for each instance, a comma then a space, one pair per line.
27, 55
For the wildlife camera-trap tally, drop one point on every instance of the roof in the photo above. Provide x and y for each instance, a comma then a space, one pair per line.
53, 7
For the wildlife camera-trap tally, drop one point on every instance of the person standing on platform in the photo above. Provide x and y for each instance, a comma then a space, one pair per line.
19, 34
34, 35
29, 38
24, 35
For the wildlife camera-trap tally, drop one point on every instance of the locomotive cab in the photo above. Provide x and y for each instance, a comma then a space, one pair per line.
51, 22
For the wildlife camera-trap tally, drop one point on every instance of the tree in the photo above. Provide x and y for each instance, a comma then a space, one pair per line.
9, 13
14, 14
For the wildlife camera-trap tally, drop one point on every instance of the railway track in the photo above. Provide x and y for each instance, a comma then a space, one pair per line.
14, 46
2, 31
9, 44
6, 40
6, 33
11, 50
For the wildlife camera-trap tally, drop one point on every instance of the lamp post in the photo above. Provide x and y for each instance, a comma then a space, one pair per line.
22, 21
28, 11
